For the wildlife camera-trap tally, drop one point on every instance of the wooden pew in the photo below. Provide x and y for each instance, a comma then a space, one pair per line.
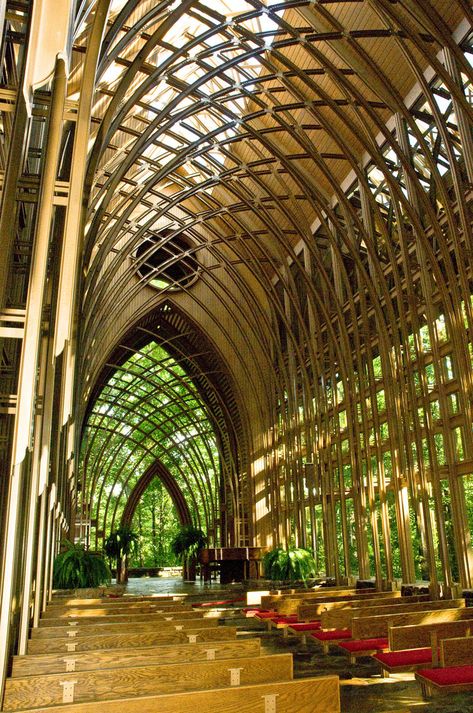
122, 608
324, 593
415, 647
368, 627
140, 656
75, 631
288, 603
140, 615
292, 605
368, 634
342, 619
132, 617
317, 591
128, 639
455, 673
309, 616
456, 651
317, 695
285, 622
419, 635
308, 612
70, 601
106, 684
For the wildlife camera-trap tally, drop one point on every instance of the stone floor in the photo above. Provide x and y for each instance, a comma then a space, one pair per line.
362, 688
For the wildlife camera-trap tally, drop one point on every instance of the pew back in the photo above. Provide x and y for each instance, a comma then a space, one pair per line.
418, 636
306, 612
342, 619
456, 651
272, 600
150, 623
317, 695
377, 626
113, 610
107, 684
129, 639
140, 656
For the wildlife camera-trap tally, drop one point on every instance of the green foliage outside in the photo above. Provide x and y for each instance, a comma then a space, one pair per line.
156, 524
150, 410
75, 567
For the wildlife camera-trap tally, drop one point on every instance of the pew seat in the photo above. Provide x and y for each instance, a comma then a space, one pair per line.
452, 679
402, 661
281, 622
334, 636
363, 647
303, 626
287, 619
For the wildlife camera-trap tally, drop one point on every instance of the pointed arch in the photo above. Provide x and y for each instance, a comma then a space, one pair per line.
157, 470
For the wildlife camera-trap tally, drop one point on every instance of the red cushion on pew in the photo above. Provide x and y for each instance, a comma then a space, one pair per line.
253, 609
285, 619
329, 635
266, 614
448, 676
364, 644
407, 657
305, 626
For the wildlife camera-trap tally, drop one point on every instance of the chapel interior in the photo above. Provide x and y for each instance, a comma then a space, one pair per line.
236, 258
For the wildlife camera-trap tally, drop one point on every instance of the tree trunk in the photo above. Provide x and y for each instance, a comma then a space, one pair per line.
189, 569
124, 569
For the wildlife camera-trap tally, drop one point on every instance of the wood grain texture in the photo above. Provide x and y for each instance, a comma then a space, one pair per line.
290, 605
456, 651
272, 600
368, 627
342, 619
115, 658
31, 691
118, 618
417, 636
129, 640
207, 613
153, 622
314, 695
71, 601
132, 609
306, 612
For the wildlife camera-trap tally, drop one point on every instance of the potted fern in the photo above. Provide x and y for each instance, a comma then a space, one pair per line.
118, 546
289, 565
75, 567
186, 545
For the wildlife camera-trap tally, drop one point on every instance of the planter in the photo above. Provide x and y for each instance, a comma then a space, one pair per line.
111, 590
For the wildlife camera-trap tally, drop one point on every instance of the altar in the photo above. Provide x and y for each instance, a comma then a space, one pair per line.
235, 564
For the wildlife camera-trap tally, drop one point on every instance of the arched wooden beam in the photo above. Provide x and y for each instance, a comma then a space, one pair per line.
157, 470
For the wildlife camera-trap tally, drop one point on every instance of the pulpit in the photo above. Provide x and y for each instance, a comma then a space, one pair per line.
234, 563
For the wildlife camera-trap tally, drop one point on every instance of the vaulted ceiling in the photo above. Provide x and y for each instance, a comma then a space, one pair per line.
225, 136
